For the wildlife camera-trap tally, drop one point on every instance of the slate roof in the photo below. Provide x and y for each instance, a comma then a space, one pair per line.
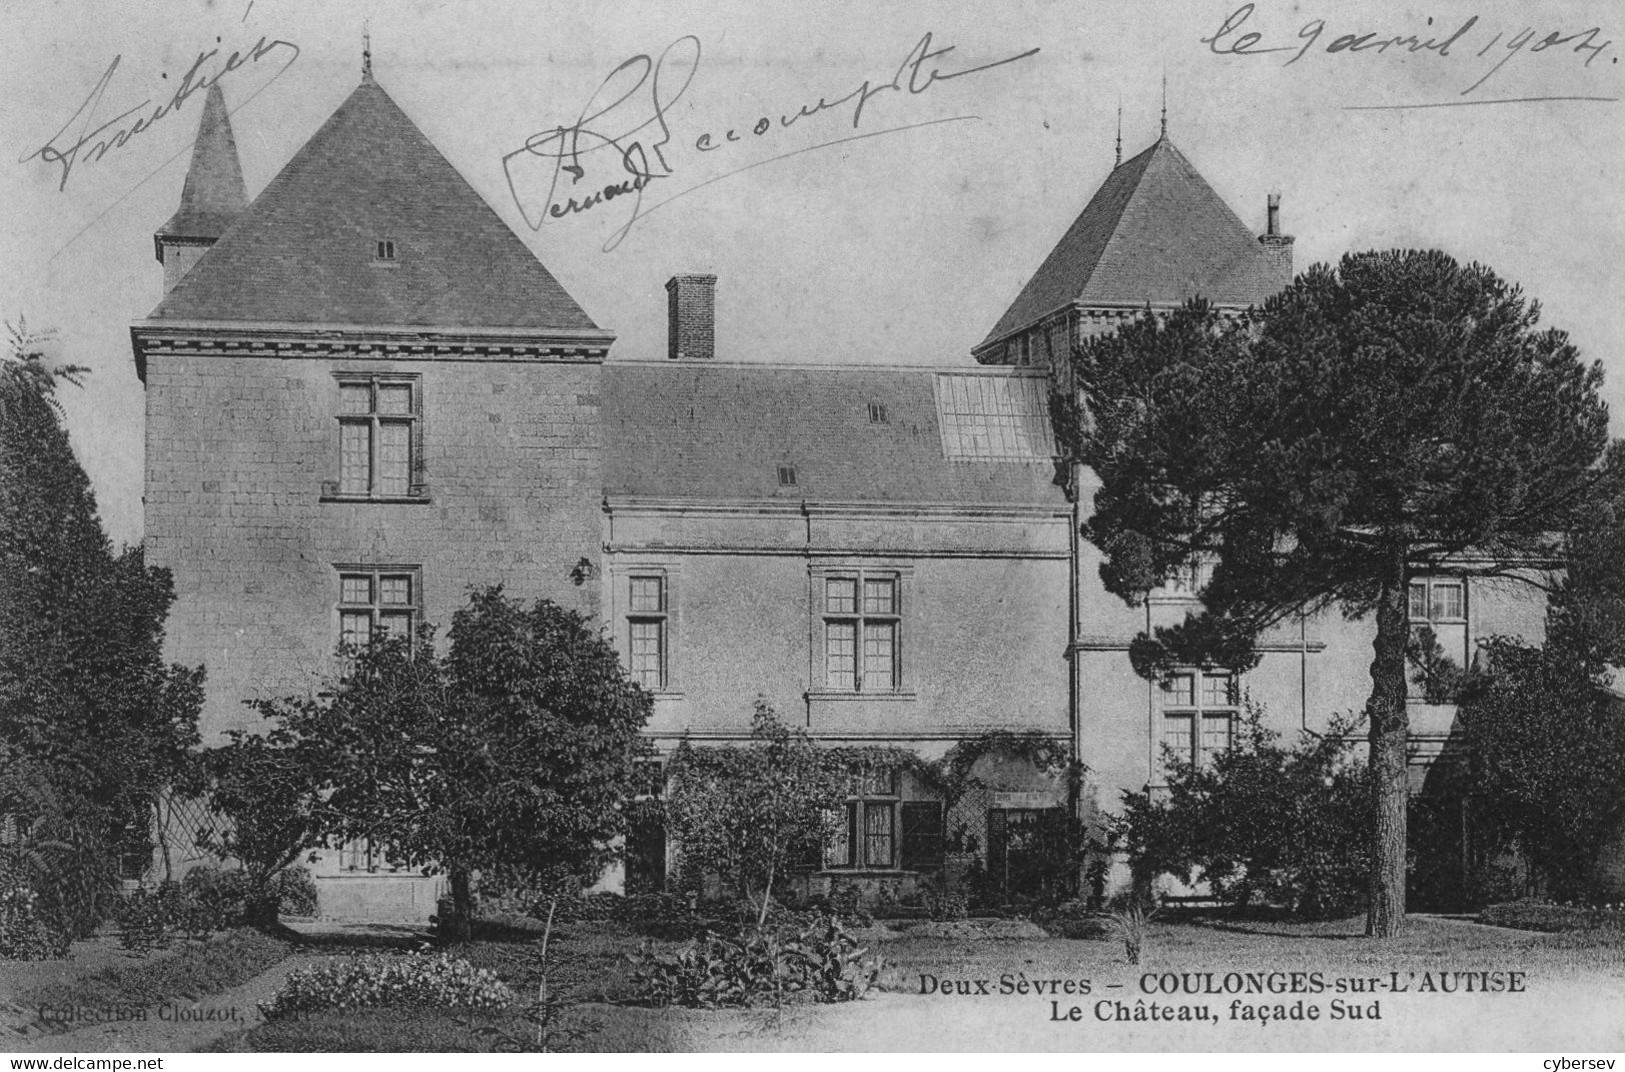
304, 250
214, 194
720, 431
1154, 232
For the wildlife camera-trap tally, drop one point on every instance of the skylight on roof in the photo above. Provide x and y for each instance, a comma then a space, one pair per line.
994, 418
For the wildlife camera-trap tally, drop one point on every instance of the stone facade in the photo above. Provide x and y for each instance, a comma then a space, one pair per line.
703, 511
241, 455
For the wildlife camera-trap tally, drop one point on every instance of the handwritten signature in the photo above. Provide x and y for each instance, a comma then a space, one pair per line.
1230, 40
93, 143
626, 123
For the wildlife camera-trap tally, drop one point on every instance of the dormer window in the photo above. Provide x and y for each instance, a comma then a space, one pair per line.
385, 250
877, 413
787, 476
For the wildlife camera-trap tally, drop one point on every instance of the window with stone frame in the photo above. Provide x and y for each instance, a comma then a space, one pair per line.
648, 621
376, 601
1199, 709
362, 854
1439, 604
1187, 580
863, 631
865, 832
380, 437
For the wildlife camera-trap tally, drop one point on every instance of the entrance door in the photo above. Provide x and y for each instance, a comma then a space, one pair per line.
646, 855
1027, 852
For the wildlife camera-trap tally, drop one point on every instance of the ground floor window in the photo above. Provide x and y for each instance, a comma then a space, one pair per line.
864, 832
364, 855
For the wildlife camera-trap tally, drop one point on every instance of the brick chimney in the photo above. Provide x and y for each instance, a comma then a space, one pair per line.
691, 317
1277, 246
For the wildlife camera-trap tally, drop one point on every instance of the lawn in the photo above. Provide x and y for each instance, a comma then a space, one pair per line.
191, 970
1570, 992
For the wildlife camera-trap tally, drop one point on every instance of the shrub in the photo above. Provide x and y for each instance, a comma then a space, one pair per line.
713, 971
837, 969
221, 893
205, 902
1074, 919
1263, 824
144, 923
295, 890
940, 904
1535, 916
24, 933
443, 981
1546, 741
212, 899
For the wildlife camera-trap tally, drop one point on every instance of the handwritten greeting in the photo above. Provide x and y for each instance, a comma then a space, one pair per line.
622, 140
92, 143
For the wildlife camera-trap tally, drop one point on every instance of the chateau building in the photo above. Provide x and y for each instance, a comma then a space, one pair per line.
365, 394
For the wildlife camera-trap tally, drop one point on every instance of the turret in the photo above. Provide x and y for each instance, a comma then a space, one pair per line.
212, 197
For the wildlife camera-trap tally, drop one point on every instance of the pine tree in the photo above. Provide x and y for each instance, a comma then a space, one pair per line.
1375, 421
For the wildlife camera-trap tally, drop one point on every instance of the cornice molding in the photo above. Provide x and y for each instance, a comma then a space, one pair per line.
359, 342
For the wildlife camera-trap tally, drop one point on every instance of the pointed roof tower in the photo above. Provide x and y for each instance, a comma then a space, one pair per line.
369, 225
1155, 232
213, 195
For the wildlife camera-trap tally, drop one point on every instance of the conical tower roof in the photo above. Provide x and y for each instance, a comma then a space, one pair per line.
214, 194
309, 248
1154, 232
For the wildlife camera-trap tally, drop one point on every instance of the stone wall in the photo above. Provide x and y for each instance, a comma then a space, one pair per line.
238, 452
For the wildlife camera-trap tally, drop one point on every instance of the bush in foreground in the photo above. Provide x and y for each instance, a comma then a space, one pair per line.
1535, 916
822, 961
604, 1029
206, 901
1262, 824
370, 981
24, 933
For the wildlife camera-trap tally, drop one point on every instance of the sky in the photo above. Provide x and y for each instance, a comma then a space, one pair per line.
894, 234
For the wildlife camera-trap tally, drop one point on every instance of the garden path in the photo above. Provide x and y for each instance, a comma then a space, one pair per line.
175, 1027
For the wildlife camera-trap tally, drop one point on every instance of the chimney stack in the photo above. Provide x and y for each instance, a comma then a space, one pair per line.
691, 317
1277, 246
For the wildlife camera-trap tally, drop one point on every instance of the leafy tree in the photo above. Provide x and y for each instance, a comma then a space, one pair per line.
511, 755
1390, 416
748, 813
1546, 755
1262, 824
268, 789
85, 696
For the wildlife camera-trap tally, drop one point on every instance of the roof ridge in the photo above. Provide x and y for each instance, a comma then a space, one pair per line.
823, 366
